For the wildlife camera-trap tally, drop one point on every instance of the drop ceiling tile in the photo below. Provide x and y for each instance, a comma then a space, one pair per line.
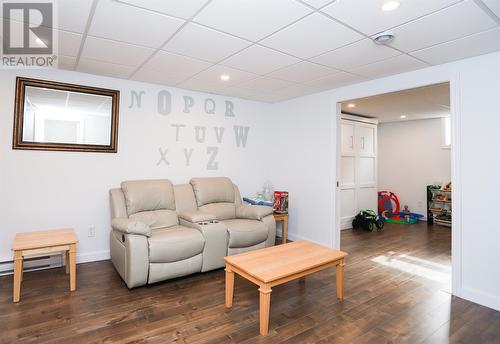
132, 25
73, 15
394, 65
177, 8
356, 54
318, 3
477, 44
168, 68
66, 62
234, 91
302, 72
153, 76
69, 15
336, 80
264, 84
204, 43
368, 17
200, 85
68, 43
104, 68
115, 52
213, 74
311, 36
268, 97
494, 6
259, 60
457, 21
252, 20
294, 91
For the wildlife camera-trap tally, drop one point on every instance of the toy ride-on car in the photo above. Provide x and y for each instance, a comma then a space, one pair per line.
367, 219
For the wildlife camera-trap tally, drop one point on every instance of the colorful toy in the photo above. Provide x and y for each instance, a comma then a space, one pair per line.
388, 204
389, 209
281, 202
405, 218
367, 219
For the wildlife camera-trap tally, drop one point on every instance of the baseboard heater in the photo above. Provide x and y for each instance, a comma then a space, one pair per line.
33, 263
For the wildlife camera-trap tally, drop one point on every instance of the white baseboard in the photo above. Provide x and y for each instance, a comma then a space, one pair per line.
92, 256
294, 237
7, 267
346, 223
483, 299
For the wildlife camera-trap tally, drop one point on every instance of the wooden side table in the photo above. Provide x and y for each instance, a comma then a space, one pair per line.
43, 242
284, 219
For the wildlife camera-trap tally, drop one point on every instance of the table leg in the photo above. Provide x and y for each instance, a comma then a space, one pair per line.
22, 271
72, 267
18, 266
340, 280
66, 254
265, 303
229, 286
284, 234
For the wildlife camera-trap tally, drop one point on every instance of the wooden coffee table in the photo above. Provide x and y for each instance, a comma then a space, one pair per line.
42, 242
276, 265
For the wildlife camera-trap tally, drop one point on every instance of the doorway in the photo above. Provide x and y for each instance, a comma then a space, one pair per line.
395, 158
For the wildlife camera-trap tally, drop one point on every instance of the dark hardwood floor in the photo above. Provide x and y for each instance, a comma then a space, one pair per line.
397, 291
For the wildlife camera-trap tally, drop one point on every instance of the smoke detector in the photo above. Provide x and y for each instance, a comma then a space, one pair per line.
383, 37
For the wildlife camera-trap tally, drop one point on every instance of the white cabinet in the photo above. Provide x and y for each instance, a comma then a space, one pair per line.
358, 172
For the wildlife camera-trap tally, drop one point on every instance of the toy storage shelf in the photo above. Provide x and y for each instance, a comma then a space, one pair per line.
438, 206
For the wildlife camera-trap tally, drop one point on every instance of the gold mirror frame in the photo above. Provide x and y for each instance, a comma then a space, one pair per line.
18, 143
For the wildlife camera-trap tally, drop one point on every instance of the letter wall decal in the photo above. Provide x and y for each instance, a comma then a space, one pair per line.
179, 132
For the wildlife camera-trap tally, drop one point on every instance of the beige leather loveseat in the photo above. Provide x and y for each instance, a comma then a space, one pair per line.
162, 231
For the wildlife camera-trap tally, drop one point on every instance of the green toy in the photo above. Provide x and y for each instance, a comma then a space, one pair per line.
367, 219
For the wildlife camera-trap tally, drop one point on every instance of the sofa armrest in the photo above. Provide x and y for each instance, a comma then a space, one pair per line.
196, 216
216, 237
253, 212
129, 226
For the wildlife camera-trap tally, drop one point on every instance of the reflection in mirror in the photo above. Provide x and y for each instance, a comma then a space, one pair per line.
65, 118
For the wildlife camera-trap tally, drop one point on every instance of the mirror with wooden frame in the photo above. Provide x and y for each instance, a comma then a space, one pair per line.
57, 116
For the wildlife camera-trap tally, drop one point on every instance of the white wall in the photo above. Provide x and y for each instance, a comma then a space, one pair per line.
42, 190
411, 156
310, 160
292, 144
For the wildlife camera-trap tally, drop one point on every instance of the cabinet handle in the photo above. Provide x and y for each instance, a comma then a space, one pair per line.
352, 141
363, 142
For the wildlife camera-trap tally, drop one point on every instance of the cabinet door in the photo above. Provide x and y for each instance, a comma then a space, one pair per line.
366, 139
347, 134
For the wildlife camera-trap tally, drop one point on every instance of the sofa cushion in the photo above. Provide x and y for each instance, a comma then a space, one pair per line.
176, 243
213, 190
222, 211
146, 195
156, 218
184, 198
244, 233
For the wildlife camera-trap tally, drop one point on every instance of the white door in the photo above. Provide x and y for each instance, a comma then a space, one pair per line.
358, 179
348, 173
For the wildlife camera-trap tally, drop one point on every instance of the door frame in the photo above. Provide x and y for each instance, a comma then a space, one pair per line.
455, 117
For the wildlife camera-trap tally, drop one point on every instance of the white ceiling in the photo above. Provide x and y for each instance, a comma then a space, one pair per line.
417, 103
272, 50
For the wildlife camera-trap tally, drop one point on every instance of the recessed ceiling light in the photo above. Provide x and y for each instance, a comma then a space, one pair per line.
225, 77
390, 6
351, 105
402, 116
383, 37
